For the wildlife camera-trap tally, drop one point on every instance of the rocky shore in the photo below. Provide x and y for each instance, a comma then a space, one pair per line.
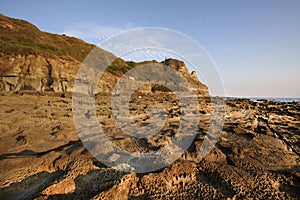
42, 157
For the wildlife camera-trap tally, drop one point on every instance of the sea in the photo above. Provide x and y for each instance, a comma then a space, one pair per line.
261, 99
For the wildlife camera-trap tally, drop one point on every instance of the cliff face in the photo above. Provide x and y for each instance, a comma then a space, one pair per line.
190, 77
42, 156
42, 73
37, 61
37, 73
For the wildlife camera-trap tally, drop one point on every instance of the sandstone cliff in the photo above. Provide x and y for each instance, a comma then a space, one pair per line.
38, 61
42, 156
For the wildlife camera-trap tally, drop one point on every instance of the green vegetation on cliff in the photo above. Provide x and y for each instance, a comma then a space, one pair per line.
21, 37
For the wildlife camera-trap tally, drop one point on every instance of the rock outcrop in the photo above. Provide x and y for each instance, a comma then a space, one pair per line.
40, 73
257, 155
37, 73
38, 61
42, 156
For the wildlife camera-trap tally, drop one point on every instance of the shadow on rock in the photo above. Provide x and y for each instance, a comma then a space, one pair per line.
30, 187
91, 184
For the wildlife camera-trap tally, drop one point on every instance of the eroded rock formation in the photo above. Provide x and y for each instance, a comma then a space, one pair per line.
257, 155
42, 156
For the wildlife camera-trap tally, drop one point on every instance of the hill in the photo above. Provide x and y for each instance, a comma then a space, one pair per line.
21, 37
39, 61
42, 154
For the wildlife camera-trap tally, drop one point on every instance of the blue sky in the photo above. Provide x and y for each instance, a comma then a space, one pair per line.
255, 44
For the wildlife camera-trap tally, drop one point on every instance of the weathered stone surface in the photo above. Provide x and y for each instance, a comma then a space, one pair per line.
257, 155
42, 156
38, 73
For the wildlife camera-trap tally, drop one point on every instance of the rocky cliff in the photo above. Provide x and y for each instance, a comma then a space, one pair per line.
42, 156
39, 61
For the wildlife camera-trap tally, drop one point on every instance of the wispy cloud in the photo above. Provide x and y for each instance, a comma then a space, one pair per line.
95, 33
139, 44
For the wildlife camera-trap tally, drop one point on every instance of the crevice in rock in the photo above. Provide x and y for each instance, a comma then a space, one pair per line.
216, 180
280, 136
30, 187
27, 153
50, 79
